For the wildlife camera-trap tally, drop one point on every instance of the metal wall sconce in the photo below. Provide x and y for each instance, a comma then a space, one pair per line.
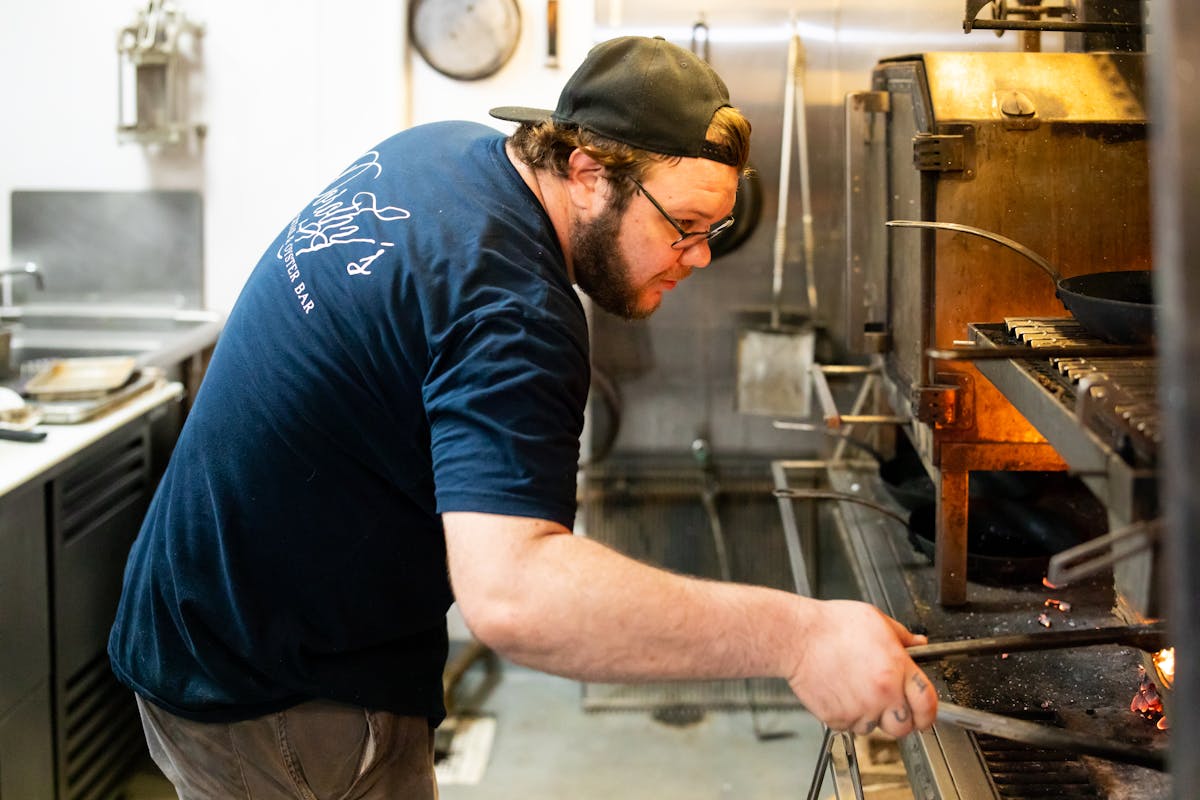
157, 56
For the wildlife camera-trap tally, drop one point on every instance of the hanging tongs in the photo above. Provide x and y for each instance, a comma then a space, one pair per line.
794, 119
1102, 552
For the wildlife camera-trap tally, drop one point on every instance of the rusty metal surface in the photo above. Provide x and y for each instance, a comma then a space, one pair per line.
957, 461
1027, 183
1038, 147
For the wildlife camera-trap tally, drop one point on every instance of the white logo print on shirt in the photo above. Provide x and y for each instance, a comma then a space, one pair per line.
334, 221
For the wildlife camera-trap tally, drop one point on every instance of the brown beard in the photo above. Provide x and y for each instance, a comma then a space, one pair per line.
600, 269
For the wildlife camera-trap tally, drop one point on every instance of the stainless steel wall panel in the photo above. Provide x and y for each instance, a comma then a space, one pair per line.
676, 372
111, 246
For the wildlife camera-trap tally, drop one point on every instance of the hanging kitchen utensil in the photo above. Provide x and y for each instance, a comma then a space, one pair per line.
465, 39
1117, 307
774, 360
747, 210
551, 34
747, 207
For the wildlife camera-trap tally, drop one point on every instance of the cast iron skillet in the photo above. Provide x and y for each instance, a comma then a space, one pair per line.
747, 209
1117, 307
1007, 544
1015, 522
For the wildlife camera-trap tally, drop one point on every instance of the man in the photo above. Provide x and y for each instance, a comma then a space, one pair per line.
394, 409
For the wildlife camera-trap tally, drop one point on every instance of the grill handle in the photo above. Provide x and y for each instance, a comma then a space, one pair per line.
1015, 246
1102, 552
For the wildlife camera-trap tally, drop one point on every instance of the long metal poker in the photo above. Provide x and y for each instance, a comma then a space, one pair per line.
1031, 733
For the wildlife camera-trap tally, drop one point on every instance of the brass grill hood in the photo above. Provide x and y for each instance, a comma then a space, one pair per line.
1048, 149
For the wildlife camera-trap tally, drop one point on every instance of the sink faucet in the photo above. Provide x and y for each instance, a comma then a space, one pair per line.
6, 280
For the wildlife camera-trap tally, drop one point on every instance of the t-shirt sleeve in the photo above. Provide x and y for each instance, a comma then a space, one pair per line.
504, 398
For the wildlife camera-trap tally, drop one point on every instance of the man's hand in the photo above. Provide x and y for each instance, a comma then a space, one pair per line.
854, 673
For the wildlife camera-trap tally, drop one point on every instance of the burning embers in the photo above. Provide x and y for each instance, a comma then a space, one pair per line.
1146, 701
1043, 619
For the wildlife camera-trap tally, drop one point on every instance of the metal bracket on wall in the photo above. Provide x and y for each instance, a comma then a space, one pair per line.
946, 403
950, 151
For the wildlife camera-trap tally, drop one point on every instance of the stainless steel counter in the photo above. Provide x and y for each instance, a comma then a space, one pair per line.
22, 462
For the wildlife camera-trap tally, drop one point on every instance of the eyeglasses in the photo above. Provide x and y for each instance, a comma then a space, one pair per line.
686, 238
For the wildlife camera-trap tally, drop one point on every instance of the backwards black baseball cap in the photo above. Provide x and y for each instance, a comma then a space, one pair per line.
647, 93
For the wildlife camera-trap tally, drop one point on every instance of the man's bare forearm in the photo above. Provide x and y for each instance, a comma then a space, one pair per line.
571, 606
579, 609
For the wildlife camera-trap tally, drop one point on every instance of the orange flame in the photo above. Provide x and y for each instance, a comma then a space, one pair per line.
1164, 663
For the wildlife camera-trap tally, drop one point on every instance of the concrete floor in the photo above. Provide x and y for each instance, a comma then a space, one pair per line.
546, 746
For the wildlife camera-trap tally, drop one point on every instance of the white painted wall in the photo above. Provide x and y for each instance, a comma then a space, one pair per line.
293, 90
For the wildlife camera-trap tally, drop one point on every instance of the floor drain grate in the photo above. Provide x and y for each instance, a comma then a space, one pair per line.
679, 716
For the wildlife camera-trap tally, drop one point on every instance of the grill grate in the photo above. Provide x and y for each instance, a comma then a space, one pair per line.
1020, 771
1116, 398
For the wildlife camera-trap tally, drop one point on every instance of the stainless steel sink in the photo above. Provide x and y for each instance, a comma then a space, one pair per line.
90, 317
156, 336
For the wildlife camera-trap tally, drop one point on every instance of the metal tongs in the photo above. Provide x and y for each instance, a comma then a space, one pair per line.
1150, 638
829, 738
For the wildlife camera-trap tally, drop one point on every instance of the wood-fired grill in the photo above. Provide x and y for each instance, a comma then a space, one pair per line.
1100, 412
1047, 149
1113, 397
969, 345
1102, 415
1085, 690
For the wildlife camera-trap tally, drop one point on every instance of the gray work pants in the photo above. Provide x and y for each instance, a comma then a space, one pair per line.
314, 751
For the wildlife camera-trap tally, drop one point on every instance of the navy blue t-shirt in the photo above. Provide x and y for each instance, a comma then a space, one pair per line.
409, 345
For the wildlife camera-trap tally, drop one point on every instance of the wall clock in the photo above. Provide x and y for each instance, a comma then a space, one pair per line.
465, 39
